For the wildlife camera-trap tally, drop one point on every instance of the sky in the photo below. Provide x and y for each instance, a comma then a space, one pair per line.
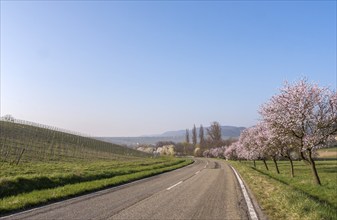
131, 68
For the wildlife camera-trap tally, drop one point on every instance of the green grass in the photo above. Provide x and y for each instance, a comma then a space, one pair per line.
36, 176
34, 184
40, 165
283, 197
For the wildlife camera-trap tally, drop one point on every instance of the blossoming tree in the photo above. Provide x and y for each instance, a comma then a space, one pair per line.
305, 113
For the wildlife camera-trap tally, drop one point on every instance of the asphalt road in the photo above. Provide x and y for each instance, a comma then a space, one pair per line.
207, 189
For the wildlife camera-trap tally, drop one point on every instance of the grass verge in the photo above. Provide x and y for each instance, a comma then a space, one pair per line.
38, 197
283, 197
21, 182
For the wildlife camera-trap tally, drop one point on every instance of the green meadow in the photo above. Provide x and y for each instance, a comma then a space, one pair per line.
40, 165
283, 197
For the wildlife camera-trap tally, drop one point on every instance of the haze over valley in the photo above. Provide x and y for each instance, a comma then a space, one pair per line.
174, 136
168, 110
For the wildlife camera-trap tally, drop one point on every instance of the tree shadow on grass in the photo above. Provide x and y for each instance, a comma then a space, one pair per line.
314, 198
329, 170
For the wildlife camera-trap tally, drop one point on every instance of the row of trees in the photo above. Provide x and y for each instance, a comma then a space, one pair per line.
196, 142
295, 123
195, 137
212, 139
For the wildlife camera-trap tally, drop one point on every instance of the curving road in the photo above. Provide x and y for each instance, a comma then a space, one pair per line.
207, 189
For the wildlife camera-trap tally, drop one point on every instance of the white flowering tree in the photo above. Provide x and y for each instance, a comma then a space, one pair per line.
284, 147
230, 152
247, 146
306, 114
265, 143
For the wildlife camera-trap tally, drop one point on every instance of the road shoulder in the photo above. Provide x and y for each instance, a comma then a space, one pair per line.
257, 208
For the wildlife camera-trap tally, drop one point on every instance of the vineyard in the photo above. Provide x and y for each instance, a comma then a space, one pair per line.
40, 164
23, 142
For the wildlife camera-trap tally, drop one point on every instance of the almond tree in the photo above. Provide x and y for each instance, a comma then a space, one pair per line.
273, 146
231, 151
246, 146
217, 152
259, 143
264, 142
305, 113
281, 147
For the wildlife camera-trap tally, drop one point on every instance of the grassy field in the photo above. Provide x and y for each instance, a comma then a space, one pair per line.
28, 185
328, 153
40, 165
283, 197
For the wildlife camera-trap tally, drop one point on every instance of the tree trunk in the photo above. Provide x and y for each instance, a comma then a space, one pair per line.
313, 168
276, 166
306, 160
254, 163
288, 156
291, 167
265, 164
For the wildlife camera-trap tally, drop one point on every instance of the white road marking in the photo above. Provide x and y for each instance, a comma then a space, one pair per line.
197, 172
251, 209
206, 165
174, 185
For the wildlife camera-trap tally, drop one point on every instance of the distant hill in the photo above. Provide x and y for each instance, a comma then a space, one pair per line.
134, 141
175, 136
226, 131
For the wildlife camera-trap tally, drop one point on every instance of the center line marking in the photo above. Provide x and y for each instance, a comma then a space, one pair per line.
174, 185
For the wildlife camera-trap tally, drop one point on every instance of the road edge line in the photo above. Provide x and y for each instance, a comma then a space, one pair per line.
251, 209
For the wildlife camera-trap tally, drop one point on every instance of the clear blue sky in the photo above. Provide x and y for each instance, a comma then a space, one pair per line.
114, 68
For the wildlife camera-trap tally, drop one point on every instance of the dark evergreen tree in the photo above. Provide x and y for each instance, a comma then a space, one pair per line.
201, 137
194, 136
187, 136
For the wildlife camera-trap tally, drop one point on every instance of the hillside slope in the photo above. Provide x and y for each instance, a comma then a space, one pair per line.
19, 142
